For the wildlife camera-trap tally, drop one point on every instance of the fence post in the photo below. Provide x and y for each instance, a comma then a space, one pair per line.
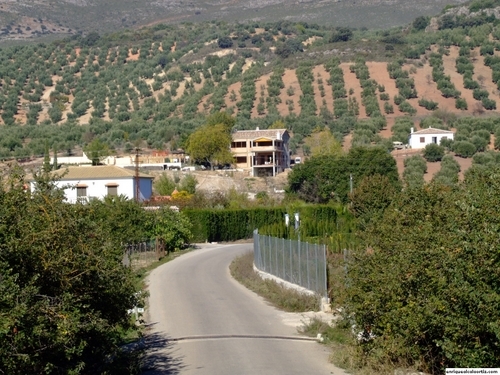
317, 266
300, 264
283, 252
276, 254
324, 267
307, 263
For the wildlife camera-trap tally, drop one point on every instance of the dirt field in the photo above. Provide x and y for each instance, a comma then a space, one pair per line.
290, 80
351, 82
420, 71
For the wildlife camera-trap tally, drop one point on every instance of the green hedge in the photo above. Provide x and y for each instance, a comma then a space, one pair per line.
317, 222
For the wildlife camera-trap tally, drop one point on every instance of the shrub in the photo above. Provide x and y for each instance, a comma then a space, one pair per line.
489, 104
384, 96
428, 104
464, 149
461, 103
430, 319
433, 152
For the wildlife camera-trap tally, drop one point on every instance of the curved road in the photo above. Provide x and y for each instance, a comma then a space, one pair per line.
202, 321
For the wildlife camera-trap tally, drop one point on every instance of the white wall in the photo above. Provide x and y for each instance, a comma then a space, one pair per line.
415, 139
98, 189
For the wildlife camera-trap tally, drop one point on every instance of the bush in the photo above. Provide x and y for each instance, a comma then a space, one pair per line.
464, 149
489, 104
428, 104
431, 319
64, 291
461, 103
225, 42
433, 152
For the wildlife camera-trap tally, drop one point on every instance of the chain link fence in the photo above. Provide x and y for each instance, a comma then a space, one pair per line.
297, 262
142, 254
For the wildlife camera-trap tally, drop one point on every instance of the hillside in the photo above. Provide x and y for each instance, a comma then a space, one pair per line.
23, 19
155, 85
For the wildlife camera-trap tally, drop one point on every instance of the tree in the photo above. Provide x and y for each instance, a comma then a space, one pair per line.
371, 197
327, 177
223, 118
341, 34
322, 142
225, 42
97, 151
433, 152
210, 144
421, 22
55, 165
64, 292
430, 266
164, 185
171, 227
46, 158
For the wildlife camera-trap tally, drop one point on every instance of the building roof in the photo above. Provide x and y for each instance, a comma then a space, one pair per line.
253, 134
96, 172
430, 130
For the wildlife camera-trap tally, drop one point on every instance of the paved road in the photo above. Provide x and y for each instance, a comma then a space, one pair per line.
204, 322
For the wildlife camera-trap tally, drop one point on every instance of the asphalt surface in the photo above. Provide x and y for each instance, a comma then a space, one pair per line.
201, 321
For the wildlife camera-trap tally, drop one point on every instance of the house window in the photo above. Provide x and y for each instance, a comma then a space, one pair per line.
239, 145
422, 139
81, 191
241, 159
434, 140
113, 190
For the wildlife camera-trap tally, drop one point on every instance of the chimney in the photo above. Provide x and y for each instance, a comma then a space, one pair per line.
278, 135
257, 128
411, 131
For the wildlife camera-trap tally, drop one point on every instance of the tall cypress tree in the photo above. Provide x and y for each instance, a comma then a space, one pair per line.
46, 159
54, 166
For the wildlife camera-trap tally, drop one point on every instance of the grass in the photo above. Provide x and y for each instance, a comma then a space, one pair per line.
276, 294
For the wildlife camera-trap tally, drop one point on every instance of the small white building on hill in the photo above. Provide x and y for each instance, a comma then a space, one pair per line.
84, 183
424, 137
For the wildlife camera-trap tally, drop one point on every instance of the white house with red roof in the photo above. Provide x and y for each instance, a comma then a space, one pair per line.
424, 137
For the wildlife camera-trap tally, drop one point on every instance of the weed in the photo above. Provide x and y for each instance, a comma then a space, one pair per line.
276, 294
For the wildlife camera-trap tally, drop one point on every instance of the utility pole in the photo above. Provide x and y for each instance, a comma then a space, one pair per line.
137, 149
350, 183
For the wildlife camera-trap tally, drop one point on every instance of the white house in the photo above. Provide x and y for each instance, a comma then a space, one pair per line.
84, 183
424, 137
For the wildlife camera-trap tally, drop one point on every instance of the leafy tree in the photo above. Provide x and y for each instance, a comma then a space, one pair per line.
188, 184
223, 118
97, 151
433, 152
323, 178
225, 42
46, 159
210, 144
64, 291
165, 185
421, 22
464, 149
430, 318
371, 197
322, 142
341, 34
171, 227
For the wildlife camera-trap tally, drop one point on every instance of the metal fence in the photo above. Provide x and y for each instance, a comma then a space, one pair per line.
142, 254
297, 262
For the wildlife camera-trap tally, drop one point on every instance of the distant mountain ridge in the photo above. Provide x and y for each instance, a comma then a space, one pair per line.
24, 19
